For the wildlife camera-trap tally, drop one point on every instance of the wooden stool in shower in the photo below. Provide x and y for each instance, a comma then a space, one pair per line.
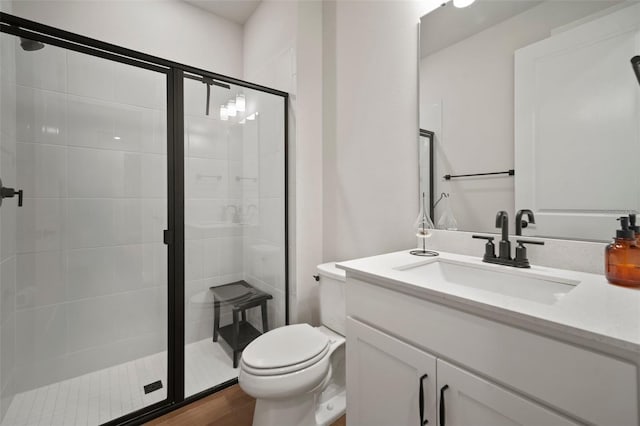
241, 296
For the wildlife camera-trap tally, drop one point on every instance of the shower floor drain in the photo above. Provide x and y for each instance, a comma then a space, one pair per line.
152, 386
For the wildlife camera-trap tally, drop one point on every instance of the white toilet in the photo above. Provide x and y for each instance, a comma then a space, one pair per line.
296, 373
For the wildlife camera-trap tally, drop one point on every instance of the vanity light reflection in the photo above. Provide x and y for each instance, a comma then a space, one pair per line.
224, 115
231, 108
240, 103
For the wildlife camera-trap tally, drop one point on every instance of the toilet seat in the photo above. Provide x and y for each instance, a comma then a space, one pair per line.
286, 369
285, 350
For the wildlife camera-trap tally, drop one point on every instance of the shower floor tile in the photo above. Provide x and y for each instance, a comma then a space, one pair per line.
103, 395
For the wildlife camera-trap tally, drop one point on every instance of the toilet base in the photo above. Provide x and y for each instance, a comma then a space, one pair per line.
283, 412
331, 410
300, 411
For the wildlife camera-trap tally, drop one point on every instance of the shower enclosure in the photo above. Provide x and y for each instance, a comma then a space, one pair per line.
145, 185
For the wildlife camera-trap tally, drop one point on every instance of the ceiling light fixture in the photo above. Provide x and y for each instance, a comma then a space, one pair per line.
462, 3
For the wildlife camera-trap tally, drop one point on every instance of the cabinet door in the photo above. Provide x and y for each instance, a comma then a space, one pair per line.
465, 399
389, 382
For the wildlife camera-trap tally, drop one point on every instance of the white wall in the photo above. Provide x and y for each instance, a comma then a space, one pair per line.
308, 166
170, 29
466, 97
270, 45
371, 190
314, 48
288, 56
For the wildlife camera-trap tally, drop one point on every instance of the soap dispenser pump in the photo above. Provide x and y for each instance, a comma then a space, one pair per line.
620, 257
635, 228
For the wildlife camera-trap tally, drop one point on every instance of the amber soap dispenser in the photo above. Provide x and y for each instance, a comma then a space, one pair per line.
622, 256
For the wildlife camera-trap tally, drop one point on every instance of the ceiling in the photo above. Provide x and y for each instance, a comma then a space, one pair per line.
448, 25
237, 11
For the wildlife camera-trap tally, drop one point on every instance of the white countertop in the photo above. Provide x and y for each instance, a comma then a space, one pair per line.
594, 310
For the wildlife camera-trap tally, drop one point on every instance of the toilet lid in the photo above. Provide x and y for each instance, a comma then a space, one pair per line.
285, 346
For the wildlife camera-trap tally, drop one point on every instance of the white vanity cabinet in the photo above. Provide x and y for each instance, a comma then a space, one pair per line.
388, 379
393, 383
465, 399
496, 373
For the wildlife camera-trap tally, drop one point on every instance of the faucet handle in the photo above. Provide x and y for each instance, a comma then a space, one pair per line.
522, 242
521, 223
489, 248
483, 237
521, 260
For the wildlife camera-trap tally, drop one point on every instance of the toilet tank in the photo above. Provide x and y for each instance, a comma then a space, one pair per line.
333, 313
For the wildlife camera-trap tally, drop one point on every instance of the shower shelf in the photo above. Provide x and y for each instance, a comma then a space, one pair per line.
252, 179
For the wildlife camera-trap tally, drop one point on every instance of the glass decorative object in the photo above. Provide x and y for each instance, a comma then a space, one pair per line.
447, 220
423, 225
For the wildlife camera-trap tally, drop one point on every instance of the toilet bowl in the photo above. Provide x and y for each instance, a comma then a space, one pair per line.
296, 373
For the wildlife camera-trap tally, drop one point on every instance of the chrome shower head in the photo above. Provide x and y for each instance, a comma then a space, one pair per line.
30, 45
635, 63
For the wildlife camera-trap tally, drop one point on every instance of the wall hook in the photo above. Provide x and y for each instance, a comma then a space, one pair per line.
442, 195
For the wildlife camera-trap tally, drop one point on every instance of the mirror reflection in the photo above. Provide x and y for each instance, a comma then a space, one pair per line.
537, 101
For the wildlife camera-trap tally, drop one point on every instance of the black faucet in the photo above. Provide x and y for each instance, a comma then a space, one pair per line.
504, 252
523, 223
502, 222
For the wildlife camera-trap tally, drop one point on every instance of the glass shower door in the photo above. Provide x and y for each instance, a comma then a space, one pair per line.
83, 267
235, 249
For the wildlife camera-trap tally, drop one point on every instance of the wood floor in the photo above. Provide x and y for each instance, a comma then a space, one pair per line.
230, 407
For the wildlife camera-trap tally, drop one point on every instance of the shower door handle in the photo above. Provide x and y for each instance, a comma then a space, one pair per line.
6, 192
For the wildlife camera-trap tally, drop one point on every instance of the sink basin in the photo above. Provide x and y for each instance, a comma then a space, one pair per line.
521, 284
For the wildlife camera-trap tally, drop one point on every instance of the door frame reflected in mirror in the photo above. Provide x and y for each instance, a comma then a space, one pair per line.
429, 136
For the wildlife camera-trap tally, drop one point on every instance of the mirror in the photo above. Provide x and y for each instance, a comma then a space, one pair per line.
545, 90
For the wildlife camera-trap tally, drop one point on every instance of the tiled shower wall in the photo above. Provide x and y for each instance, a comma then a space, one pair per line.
213, 228
264, 245
234, 174
90, 287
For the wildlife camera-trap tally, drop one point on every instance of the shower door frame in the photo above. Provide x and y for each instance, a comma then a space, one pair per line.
174, 235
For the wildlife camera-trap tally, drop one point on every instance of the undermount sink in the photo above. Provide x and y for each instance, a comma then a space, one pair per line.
521, 284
